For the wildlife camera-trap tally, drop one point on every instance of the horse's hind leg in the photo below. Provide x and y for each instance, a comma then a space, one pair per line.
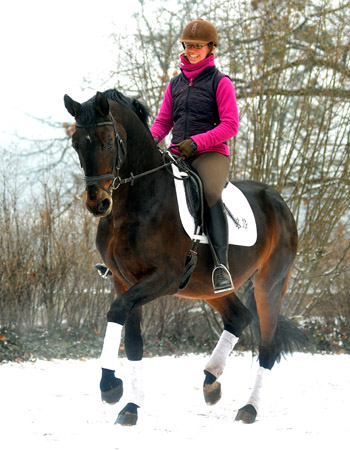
268, 293
235, 317
134, 353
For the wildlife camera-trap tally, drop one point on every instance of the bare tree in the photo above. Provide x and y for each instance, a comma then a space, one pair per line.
289, 62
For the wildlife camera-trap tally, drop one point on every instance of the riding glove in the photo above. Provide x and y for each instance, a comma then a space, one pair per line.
187, 147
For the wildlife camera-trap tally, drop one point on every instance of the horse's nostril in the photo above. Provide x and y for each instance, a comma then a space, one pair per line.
105, 204
99, 208
92, 192
88, 207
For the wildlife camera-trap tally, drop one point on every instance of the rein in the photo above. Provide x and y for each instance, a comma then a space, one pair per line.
133, 177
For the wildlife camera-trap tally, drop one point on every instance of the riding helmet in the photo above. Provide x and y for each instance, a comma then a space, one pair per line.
200, 31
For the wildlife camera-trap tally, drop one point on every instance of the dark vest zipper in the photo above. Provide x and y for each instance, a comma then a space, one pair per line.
186, 109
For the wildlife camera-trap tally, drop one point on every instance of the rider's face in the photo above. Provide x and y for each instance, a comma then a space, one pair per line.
195, 55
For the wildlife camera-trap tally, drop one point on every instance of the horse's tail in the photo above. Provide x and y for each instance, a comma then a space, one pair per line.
288, 337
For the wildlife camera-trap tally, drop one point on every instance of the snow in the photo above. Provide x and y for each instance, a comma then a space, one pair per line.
56, 405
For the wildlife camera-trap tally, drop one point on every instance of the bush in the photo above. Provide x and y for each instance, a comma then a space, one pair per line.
53, 303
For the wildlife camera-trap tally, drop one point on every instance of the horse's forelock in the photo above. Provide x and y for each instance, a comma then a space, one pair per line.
87, 113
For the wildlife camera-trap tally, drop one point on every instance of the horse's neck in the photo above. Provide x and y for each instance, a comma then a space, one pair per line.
143, 155
149, 191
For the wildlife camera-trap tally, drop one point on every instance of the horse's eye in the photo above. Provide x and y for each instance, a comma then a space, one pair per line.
108, 145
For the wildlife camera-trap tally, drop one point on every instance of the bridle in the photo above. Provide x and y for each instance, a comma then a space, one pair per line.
94, 180
117, 180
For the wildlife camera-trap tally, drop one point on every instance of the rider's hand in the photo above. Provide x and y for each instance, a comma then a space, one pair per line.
187, 147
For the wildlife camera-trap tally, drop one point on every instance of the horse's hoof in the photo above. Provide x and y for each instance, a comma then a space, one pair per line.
113, 395
247, 414
212, 393
128, 416
127, 420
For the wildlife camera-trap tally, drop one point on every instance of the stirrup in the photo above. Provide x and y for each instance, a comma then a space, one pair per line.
103, 270
229, 285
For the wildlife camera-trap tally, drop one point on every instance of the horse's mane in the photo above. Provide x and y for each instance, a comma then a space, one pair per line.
138, 107
87, 113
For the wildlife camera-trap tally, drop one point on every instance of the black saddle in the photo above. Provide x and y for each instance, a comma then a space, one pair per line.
195, 203
194, 196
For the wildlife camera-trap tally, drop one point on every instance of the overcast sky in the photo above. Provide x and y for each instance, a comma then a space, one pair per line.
47, 49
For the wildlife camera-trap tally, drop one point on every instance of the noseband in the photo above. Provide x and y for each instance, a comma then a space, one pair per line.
94, 180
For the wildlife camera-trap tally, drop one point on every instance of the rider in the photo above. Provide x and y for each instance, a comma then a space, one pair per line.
199, 105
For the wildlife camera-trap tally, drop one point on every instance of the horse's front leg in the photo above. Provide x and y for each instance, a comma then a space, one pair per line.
111, 386
134, 352
126, 309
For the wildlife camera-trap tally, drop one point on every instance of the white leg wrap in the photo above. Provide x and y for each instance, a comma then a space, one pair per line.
256, 395
111, 343
223, 348
135, 381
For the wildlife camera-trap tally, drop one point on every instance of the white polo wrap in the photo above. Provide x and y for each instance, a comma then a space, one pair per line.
224, 347
135, 391
262, 377
111, 343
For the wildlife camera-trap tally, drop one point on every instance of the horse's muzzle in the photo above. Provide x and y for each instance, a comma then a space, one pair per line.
100, 207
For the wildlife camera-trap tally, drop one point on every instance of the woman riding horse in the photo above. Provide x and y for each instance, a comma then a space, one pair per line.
141, 239
200, 107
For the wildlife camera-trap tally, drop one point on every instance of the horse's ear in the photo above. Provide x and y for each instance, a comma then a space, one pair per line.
101, 104
72, 107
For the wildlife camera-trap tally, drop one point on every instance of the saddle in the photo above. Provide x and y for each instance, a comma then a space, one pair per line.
194, 194
241, 220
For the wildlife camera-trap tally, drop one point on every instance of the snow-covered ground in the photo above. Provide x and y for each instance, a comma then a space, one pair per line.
56, 405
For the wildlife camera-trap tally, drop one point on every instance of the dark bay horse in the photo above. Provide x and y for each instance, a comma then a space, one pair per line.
141, 239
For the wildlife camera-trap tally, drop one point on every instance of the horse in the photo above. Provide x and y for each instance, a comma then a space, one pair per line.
141, 240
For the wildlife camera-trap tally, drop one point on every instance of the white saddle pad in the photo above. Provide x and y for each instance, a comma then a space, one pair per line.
242, 230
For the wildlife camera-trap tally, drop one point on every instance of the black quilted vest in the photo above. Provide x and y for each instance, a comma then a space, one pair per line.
194, 105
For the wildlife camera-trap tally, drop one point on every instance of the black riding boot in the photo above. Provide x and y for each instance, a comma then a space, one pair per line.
217, 230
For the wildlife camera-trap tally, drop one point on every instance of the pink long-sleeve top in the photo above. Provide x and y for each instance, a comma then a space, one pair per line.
212, 140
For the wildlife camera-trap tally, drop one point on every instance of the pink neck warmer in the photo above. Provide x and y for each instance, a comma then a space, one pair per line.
192, 70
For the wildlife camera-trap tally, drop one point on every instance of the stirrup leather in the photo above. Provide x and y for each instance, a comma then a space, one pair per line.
229, 286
